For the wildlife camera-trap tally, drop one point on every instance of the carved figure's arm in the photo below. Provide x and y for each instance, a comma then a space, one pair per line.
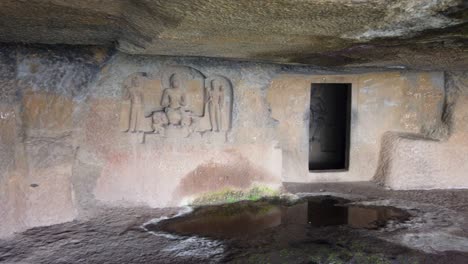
165, 101
221, 100
183, 100
126, 92
208, 95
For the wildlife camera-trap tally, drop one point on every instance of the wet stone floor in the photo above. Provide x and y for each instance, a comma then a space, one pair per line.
245, 218
319, 229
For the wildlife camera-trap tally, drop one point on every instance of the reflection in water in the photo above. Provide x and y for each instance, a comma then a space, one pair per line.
329, 212
243, 218
226, 224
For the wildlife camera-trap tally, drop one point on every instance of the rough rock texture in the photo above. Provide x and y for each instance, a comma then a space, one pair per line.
402, 33
64, 153
115, 236
39, 90
424, 163
405, 102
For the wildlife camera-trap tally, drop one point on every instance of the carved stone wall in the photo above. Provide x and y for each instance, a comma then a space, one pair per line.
403, 102
182, 102
413, 162
81, 128
156, 125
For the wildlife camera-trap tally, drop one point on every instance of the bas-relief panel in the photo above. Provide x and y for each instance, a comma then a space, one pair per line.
181, 103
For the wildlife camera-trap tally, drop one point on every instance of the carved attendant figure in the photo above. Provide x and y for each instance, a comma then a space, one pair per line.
215, 104
135, 92
318, 112
132, 116
173, 101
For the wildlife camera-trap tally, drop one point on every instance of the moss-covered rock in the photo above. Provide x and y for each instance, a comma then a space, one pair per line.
229, 195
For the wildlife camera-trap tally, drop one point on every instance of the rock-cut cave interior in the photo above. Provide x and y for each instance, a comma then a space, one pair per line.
234, 131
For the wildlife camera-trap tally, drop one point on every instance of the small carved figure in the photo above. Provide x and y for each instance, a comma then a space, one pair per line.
186, 118
215, 104
159, 122
173, 101
318, 115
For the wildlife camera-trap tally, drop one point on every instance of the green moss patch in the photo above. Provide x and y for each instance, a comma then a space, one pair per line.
229, 195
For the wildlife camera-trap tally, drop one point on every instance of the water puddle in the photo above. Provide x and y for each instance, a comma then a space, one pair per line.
243, 218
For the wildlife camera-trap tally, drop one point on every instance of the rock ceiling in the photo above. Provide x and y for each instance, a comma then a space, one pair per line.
366, 33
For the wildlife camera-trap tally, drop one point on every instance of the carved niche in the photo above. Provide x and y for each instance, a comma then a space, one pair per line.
182, 102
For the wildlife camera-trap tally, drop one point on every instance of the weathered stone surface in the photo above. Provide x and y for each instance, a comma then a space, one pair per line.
37, 149
115, 235
11, 187
381, 102
422, 163
65, 154
172, 167
8, 92
375, 33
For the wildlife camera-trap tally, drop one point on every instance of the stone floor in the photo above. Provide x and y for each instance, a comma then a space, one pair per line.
436, 233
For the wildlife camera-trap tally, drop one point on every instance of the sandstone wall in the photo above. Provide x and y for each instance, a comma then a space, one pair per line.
39, 92
64, 152
422, 163
400, 102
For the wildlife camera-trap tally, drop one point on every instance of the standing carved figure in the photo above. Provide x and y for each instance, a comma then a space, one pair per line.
318, 115
173, 101
134, 92
132, 115
215, 104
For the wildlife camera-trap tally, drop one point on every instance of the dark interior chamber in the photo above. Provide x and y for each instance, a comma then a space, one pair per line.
330, 111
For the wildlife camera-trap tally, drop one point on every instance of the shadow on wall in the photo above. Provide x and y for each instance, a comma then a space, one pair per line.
213, 176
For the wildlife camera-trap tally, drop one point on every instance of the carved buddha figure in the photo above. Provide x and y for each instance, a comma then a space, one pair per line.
215, 104
173, 101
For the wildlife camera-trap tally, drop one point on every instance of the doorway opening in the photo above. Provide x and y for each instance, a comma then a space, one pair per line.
329, 127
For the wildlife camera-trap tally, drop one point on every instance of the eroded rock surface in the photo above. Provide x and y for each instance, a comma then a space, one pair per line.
403, 33
79, 130
119, 235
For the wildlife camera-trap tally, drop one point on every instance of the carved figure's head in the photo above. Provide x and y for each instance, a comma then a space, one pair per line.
136, 81
174, 81
316, 91
216, 85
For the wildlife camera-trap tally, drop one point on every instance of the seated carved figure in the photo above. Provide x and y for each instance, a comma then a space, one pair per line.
173, 101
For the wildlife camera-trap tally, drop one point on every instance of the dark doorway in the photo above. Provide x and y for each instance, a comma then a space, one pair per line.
330, 111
